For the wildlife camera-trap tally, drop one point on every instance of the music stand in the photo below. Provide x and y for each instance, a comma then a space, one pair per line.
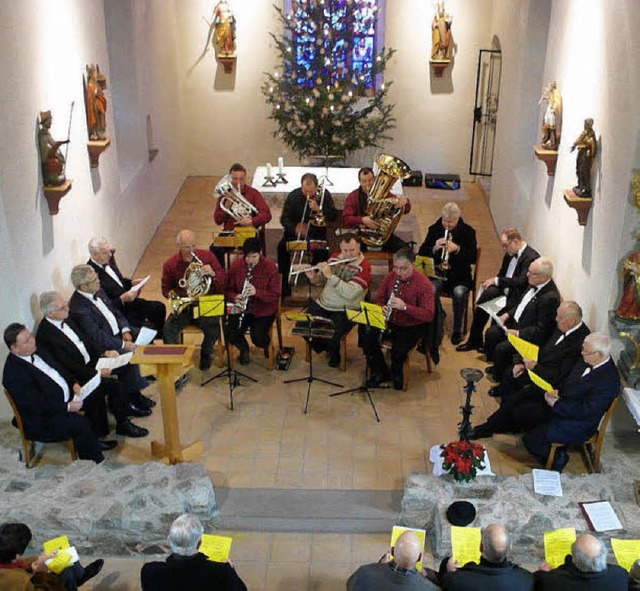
426, 266
305, 247
363, 317
311, 332
216, 307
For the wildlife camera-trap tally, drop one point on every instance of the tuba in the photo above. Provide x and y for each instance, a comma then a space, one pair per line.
194, 282
232, 201
382, 209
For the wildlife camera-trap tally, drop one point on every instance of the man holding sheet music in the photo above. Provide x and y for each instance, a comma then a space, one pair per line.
123, 292
576, 410
510, 282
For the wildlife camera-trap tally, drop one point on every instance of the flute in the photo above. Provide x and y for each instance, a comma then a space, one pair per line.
316, 268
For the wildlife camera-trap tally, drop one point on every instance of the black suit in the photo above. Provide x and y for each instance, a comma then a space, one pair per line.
568, 578
40, 401
536, 323
503, 576
516, 284
138, 312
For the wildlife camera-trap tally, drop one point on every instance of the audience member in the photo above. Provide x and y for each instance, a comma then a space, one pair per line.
634, 576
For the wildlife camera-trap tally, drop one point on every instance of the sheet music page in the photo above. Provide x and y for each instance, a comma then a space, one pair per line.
492, 307
146, 336
139, 286
602, 515
90, 386
547, 482
114, 362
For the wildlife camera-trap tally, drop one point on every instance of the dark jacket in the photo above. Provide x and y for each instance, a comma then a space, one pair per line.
568, 578
190, 572
464, 236
538, 319
519, 282
503, 576
292, 210
108, 284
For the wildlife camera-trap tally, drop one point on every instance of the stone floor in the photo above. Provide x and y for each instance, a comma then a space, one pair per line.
267, 443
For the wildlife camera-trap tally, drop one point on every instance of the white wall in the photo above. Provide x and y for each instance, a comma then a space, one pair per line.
593, 54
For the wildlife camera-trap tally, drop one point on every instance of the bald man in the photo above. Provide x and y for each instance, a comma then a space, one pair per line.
400, 573
585, 568
494, 572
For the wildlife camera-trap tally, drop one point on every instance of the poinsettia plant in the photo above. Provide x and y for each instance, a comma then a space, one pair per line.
463, 459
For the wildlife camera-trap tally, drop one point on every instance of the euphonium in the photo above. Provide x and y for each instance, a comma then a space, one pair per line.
380, 208
195, 283
232, 201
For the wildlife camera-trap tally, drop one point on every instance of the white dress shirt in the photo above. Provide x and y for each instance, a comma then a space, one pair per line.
73, 337
109, 270
45, 368
104, 310
526, 298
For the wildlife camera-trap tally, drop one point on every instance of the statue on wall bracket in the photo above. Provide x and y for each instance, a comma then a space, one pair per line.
53, 162
442, 45
547, 150
222, 34
587, 146
95, 102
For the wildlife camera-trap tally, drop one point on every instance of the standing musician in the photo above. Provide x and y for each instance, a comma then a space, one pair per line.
253, 286
298, 208
453, 246
173, 270
258, 219
408, 298
354, 214
345, 286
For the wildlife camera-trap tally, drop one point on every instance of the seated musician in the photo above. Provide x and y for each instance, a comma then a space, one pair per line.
253, 286
345, 286
258, 218
296, 219
408, 298
452, 244
175, 269
354, 214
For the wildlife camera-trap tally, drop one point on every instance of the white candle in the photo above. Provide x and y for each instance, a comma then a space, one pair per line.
269, 170
280, 164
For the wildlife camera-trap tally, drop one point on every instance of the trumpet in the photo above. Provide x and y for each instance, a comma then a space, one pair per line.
444, 265
317, 267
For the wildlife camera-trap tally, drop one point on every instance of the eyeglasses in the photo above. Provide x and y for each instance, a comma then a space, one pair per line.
403, 268
585, 352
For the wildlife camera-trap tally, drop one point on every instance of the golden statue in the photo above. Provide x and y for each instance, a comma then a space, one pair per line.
225, 29
441, 39
552, 119
96, 103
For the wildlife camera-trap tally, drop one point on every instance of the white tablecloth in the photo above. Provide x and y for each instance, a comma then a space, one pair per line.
437, 461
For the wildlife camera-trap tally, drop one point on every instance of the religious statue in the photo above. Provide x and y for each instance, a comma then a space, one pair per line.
629, 307
225, 29
552, 119
587, 149
96, 103
51, 158
441, 39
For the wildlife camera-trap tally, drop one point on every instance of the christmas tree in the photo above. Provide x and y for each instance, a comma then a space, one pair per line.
328, 98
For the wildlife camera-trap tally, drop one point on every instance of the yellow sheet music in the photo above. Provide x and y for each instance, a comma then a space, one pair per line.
60, 561
375, 314
538, 381
241, 233
209, 305
626, 552
59, 543
426, 266
465, 544
216, 548
557, 544
398, 530
299, 317
525, 348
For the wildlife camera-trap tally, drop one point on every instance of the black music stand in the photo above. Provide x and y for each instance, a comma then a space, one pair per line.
228, 372
471, 376
311, 332
363, 314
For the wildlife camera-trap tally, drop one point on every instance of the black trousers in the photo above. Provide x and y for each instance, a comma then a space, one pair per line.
148, 313
480, 317
209, 325
537, 443
258, 326
74, 426
523, 411
342, 325
498, 349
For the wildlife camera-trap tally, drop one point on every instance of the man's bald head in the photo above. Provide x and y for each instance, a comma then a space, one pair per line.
408, 550
589, 554
495, 543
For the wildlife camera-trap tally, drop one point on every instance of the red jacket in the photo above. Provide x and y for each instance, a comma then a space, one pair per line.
264, 278
263, 217
417, 293
174, 268
355, 205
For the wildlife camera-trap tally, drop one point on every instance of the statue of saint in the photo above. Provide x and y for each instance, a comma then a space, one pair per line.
587, 150
51, 157
629, 307
96, 103
552, 119
225, 29
441, 39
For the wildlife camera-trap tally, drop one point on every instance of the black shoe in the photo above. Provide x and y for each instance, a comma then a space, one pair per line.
480, 349
91, 570
468, 346
181, 382
491, 371
481, 432
133, 410
456, 338
494, 392
143, 401
205, 362
377, 381
245, 358
398, 382
560, 460
107, 444
128, 429
334, 361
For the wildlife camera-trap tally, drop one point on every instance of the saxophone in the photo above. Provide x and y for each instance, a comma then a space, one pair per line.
194, 282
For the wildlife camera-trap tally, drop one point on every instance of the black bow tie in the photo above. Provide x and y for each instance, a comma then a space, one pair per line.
95, 297
62, 324
33, 359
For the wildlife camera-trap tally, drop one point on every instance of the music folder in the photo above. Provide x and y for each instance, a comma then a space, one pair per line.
209, 305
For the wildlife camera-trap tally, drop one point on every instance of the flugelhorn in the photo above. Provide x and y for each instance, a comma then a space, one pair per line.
232, 201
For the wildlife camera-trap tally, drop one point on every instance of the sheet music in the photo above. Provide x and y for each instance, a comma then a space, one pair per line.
114, 362
146, 336
89, 387
547, 482
601, 515
139, 286
492, 307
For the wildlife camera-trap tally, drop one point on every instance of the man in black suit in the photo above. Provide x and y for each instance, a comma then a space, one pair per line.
44, 398
137, 311
105, 329
452, 242
510, 281
523, 405
532, 318
61, 339
583, 400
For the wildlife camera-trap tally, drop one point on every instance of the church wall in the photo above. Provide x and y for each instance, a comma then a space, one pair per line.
599, 78
45, 46
227, 115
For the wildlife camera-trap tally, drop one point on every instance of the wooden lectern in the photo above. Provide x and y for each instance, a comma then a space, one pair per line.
165, 358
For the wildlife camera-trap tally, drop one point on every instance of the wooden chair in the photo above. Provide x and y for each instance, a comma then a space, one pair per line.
592, 448
386, 347
473, 292
192, 330
27, 444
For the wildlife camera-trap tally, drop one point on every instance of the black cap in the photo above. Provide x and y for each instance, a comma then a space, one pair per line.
461, 513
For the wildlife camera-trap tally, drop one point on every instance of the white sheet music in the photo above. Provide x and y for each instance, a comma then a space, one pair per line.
139, 286
602, 516
493, 306
89, 387
146, 336
114, 362
547, 482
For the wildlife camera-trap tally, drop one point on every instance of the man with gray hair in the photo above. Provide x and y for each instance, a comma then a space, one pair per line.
186, 568
585, 568
494, 572
577, 408
452, 245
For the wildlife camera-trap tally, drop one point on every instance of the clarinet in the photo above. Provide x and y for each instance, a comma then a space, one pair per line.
245, 300
394, 293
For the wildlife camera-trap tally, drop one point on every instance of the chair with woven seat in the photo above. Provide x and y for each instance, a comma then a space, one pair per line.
592, 447
27, 455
